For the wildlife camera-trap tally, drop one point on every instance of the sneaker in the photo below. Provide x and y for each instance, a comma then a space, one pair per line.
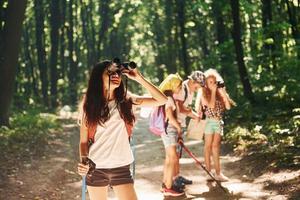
221, 177
179, 183
185, 180
173, 191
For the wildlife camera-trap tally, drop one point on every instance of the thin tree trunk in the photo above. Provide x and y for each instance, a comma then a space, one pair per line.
54, 36
72, 75
268, 33
40, 47
236, 35
104, 13
222, 36
29, 62
295, 27
89, 38
181, 24
12, 31
169, 23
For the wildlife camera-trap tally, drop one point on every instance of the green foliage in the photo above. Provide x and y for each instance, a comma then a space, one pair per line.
274, 133
28, 130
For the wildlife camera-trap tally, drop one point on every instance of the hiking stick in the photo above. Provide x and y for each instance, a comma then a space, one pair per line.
83, 188
132, 146
201, 165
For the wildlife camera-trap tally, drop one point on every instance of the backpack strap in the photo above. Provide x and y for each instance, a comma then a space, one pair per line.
185, 92
174, 112
91, 134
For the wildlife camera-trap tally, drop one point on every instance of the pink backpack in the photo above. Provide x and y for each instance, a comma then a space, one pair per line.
157, 123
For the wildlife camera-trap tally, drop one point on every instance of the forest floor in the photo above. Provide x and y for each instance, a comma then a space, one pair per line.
50, 172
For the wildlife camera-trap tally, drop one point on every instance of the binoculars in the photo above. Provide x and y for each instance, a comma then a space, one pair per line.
220, 84
126, 65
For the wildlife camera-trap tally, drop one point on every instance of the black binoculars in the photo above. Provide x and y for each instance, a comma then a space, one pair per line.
118, 67
220, 84
126, 65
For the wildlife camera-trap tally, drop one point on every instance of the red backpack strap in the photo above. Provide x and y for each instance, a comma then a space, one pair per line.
92, 131
129, 128
91, 134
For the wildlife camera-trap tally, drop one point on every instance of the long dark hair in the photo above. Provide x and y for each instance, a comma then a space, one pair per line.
95, 104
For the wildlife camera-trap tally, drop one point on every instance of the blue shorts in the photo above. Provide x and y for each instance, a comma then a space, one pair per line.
213, 126
169, 139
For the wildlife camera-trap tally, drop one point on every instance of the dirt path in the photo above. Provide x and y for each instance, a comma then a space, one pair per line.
53, 175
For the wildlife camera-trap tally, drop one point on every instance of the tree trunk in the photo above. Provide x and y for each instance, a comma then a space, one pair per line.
268, 33
222, 36
62, 40
40, 47
181, 24
29, 62
72, 75
54, 35
169, 23
236, 35
89, 38
9, 55
104, 13
295, 27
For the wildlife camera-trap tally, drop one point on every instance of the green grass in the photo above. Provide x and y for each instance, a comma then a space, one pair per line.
27, 130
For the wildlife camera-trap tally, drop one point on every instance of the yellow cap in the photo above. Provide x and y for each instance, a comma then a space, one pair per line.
171, 82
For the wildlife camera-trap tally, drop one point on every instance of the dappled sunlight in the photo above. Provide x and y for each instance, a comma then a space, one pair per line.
279, 177
60, 159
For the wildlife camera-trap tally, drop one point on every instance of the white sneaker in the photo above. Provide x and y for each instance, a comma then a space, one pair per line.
221, 177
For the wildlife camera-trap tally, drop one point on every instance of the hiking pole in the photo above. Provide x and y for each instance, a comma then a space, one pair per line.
83, 188
132, 145
203, 167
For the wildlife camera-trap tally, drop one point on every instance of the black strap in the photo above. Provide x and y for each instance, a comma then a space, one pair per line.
185, 92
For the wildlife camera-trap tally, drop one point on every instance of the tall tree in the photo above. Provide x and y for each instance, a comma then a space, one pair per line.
62, 39
29, 61
104, 13
54, 36
9, 54
169, 23
89, 39
72, 73
236, 35
269, 47
40, 48
180, 4
221, 35
294, 22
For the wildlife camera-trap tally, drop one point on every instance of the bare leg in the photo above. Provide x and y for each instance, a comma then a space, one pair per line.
166, 161
216, 152
170, 167
176, 170
207, 150
125, 192
96, 193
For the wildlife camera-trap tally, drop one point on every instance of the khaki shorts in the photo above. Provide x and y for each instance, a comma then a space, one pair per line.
112, 177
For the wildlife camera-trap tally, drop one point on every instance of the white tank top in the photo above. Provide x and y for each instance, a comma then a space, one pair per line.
111, 147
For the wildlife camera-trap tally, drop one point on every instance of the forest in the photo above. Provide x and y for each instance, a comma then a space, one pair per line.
47, 49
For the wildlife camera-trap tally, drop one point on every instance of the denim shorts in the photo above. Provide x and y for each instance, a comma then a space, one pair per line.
170, 138
112, 177
213, 126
